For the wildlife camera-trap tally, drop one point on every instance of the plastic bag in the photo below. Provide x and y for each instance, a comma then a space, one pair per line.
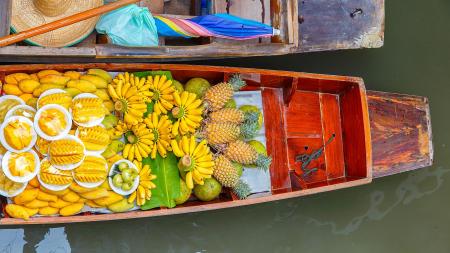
131, 26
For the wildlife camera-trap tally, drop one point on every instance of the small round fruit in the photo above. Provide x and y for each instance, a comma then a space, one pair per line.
239, 168
185, 193
178, 86
231, 103
127, 186
123, 166
209, 190
126, 175
252, 108
197, 85
117, 180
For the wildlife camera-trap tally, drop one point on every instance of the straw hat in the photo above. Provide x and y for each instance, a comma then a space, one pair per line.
27, 14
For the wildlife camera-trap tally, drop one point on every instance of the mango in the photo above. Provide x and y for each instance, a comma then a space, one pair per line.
55, 79
78, 189
99, 82
59, 203
26, 96
57, 193
72, 91
34, 182
16, 78
44, 73
92, 204
103, 94
73, 75
44, 87
109, 200
48, 210
28, 85
26, 196
100, 73
34, 77
71, 209
109, 105
95, 194
36, 203
12, 89
121, 206
71, 197
17, 211
31, 211
83, 85
46, 197
32, 102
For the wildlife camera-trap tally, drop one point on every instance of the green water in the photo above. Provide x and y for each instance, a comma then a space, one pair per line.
409, 212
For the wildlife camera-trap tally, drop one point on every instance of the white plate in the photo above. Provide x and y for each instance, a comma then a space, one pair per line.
49, 92
51, 187
92, 122
119, 190
5, 167
67, 118
70, 166
22, 119
97, 152
91, 185
17, 107
19, 191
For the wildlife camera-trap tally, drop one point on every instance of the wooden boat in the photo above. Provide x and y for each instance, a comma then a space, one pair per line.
305, 26
376, 134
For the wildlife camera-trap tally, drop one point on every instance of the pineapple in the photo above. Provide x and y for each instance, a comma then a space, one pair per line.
233, 115
216, 96
227, 175
221, 133
241, 152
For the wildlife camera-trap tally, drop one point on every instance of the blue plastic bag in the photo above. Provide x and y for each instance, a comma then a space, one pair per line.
131, 26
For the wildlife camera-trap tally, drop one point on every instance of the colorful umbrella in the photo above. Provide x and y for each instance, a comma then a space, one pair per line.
216, 25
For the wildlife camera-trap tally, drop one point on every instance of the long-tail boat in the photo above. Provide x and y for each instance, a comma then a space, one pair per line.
347, 135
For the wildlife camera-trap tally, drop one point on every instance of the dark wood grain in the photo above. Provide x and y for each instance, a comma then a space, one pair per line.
5, 16
401, 133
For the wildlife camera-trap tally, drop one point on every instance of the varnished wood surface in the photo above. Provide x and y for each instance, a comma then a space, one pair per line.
401, 133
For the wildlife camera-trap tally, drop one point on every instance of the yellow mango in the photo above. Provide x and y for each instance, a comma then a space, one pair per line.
46, 197
12, 89
26, 196
99, 82
100, 73
44, 87
95, 194
73, 75
57, 193
71, 197
92, 204
109, 105
31, 211
110, 199
26, 96
48, 210
32, 102
72, 91
103, 94
16, 78
106, 185
28, 85
71, 209
17, 211
34, 182
36, 203
55, 79
121, 206
44, 73
34, 77
83, 85
78, 189
59, 203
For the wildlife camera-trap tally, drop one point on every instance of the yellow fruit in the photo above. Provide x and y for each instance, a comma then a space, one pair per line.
31, 211
48, 210
221, 133
34, 182
109, 105
34, 77
242, 152
143, 192
106, 185
121, 206
12, 89
92, 170
18, 134
8, 185
71, 197
52, 122
103, 94
17, 211
42, 146
46, 197
44, 87
55, 79
72, 91
26, 196
94, 138
57, 193
32, 102
83, 85
85, 110
21, 164
95, 194
25, 97
53, 176
59, 203
188, 112
216, 96
63, 99
36, 203
163, 90
28, 85
44, 73
79, 189
71, 209
101, 73
74, 75
92, 204
16, 78
108, 200
66, 152
99, 82
161, 127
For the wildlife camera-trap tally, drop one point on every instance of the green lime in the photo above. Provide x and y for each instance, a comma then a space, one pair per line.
178, 86
239, 168
259, 147
198, 86
252, 108
231, 103
209, 190
185, 193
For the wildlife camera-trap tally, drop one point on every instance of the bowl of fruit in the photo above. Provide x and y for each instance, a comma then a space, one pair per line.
123, 177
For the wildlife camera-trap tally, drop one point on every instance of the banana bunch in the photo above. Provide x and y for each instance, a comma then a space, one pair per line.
143, 192
188, 111
161, 127
163, 90
140, 140
127, 100
196, 161
141, 85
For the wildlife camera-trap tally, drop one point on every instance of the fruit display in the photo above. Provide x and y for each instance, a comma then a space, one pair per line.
108, 144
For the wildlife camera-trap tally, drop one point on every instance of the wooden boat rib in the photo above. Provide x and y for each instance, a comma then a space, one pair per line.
305, 26
375, 134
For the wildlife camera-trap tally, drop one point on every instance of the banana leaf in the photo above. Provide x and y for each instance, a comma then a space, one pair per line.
141, 74
167, 181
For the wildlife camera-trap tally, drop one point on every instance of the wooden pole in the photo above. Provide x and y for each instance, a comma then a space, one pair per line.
13, 38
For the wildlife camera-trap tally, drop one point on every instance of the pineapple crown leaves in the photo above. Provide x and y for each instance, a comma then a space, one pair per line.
248, 130
236, 82
263, 162
242, 189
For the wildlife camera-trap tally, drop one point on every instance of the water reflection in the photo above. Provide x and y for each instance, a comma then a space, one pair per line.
408, 190
12, 240
54, 241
